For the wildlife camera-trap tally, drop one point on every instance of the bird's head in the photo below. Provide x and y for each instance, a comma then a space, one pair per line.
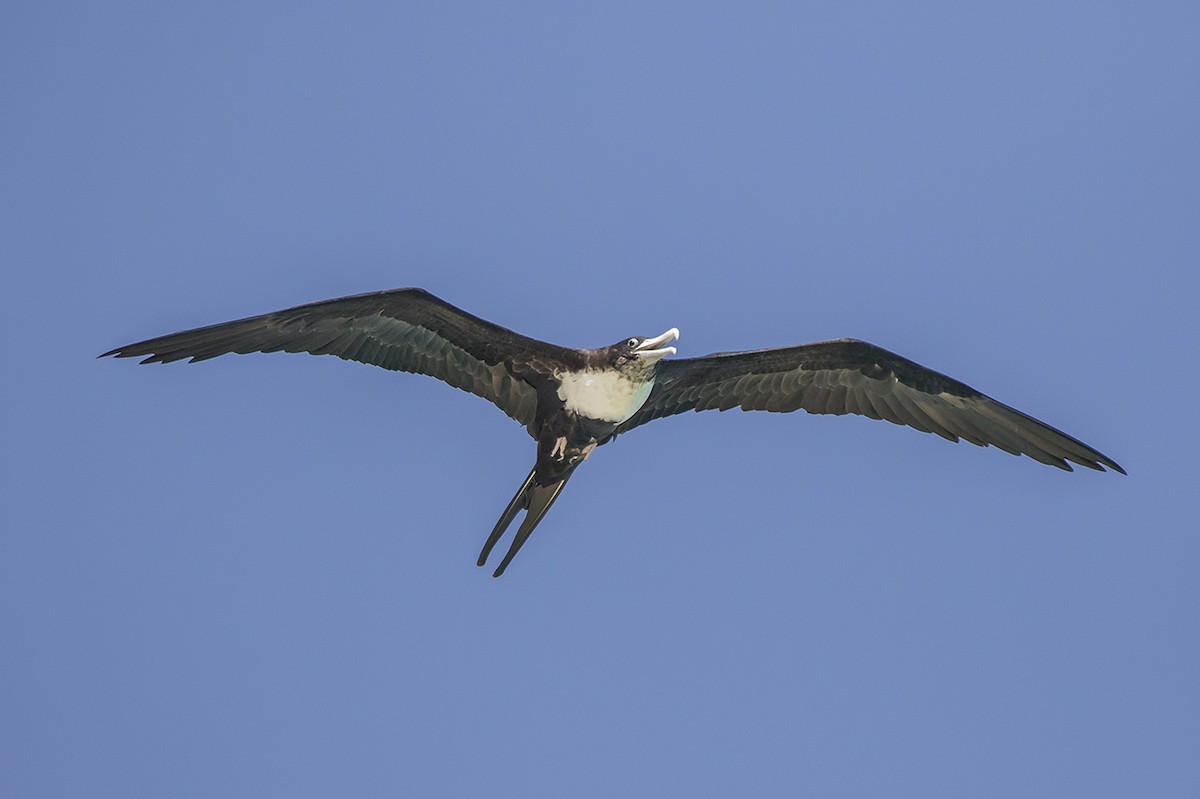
637, 353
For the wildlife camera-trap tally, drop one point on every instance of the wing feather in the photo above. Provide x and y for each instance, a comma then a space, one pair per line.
849, 376
405, 330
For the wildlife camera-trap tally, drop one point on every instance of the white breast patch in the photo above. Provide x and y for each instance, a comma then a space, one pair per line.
602, 395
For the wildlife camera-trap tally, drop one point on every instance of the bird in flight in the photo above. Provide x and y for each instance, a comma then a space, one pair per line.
574, 400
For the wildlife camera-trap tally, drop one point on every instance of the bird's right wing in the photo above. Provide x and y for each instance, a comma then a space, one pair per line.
406, 330
849, 376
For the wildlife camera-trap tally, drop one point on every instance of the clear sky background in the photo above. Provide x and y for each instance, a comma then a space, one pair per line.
256, 576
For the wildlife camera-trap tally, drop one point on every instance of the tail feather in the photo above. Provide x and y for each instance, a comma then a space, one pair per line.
519, 501
540, 498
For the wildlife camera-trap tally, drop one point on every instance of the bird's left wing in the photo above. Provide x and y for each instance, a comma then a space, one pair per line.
407, 330
849, 376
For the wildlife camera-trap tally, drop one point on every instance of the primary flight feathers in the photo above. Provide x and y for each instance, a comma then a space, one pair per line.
573, 400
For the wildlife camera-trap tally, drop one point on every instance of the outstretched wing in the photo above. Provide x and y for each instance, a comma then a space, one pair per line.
406, 330
849, 376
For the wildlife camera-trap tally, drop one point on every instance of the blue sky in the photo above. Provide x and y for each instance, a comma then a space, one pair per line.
255, 576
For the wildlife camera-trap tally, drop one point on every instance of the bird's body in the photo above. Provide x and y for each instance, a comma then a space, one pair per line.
603, 394
572, 401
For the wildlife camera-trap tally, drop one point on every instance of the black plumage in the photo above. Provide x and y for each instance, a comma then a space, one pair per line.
850, 376
549, 389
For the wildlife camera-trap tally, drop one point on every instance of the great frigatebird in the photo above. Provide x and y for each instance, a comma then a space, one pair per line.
572, 401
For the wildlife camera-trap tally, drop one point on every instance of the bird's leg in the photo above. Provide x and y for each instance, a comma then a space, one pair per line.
581, 454
560, 448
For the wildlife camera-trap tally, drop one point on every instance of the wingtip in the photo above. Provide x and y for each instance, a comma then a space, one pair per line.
1100, 464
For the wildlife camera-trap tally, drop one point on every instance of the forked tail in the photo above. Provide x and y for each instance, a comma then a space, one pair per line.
535, 500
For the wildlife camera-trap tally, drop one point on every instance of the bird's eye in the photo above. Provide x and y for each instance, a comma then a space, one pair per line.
633, 342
